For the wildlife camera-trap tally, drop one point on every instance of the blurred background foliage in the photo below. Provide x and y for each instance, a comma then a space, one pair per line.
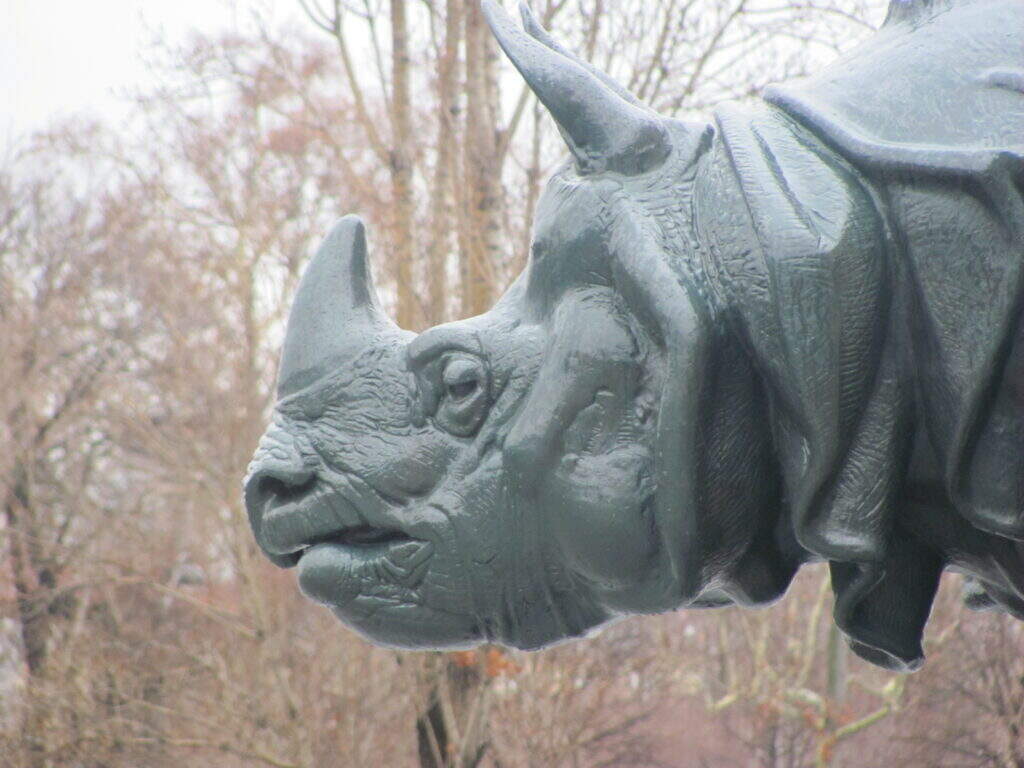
144, 276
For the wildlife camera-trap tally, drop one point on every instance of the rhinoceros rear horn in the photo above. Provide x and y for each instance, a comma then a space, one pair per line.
336, 314
604, 127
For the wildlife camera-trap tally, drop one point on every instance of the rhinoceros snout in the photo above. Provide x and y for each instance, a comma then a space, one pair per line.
278, 475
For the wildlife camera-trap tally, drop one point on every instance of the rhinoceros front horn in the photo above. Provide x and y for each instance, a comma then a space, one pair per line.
603, 128
336, 314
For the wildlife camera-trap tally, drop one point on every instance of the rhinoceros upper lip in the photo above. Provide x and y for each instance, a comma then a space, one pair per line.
292, 525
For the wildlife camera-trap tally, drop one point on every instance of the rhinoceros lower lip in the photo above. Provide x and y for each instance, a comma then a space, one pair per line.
335, 571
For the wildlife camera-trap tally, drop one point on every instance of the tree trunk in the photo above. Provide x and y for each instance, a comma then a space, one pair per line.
32, 585
441, 215
403, 208
452, 730
837, 659
29, 614
482, 168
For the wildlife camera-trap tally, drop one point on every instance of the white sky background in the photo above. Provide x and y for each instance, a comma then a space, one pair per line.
65, 57
60, 58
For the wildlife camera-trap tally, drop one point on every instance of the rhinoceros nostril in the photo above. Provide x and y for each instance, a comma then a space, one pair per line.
273, 483
284, 489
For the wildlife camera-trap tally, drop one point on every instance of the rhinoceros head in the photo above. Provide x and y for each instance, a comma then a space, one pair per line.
531, 473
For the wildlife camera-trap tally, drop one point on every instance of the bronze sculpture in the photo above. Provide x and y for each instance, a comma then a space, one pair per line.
791, 334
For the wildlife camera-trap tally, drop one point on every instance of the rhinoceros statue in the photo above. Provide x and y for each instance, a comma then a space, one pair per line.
790, 334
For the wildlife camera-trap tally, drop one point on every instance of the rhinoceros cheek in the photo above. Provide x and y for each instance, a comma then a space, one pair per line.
596, 514
410, 467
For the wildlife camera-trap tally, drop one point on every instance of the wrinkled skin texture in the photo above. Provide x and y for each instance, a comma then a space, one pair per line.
791, 334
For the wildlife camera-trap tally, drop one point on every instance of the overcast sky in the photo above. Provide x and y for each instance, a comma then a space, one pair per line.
61, 57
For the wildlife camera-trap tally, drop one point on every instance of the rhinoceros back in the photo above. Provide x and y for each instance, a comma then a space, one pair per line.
937, 74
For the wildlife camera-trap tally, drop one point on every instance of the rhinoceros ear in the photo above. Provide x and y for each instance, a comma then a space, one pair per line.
605, 130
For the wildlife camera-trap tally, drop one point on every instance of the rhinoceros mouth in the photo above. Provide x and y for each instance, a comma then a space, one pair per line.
365, 536
294, 523
364, 556
364, 539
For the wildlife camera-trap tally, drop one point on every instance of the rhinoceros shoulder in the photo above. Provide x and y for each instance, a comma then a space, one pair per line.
865, 227
931, 110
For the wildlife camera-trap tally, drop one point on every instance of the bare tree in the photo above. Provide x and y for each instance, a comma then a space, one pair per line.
63, 337
967, 706
144, 279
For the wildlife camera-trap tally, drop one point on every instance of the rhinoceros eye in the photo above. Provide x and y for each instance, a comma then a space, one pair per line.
465, 383
461, 378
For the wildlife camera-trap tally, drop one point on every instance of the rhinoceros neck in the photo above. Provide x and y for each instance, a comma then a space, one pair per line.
749, 547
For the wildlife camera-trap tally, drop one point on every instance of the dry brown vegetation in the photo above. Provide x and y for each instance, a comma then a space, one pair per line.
144, 276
